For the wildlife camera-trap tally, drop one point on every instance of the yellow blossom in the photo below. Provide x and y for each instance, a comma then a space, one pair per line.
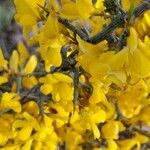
10, 101
59, 85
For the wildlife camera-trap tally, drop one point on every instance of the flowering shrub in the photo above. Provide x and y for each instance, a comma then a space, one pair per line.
83, 81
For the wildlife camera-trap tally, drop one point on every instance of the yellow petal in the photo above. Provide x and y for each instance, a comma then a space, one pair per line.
18, 124
46, 89
70, 11
31, 65
24, 20
141, 138
3, 80
112, 145
110, 130
99, 116
33, 122
3, 62
27, 145
13, 62
23, 54
29, 82
49, 27
65, 91
95, 130
10, 101
24, 133
62, 77
99, 5
85, 8
32, 108
132, 41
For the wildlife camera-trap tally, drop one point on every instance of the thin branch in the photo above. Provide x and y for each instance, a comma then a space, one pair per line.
117, 22
144, 6
75, 84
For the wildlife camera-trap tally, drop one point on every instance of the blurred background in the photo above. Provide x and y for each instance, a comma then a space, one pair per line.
10, 32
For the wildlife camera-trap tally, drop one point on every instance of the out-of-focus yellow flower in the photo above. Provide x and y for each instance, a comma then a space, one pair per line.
3, 79
13, 62
29, 82
3, 63
28, 11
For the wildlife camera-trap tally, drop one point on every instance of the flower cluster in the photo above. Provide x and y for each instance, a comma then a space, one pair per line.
63, 92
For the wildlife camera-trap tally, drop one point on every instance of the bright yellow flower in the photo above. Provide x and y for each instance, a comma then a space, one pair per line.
26, 127
111, 129
10, 101
91, 117
136, 95
59, 85
31, 65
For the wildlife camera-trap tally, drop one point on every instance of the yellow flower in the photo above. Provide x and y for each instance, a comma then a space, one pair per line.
50, 50
46, 134
32, 108
112, 145
73, 144
141, 117
91, 117
59, 85
131, 100
5, 130
26, 126
85, 8
29, 82
31, 65
58, 113
10, 101
26, 10
111, 129
70, 10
